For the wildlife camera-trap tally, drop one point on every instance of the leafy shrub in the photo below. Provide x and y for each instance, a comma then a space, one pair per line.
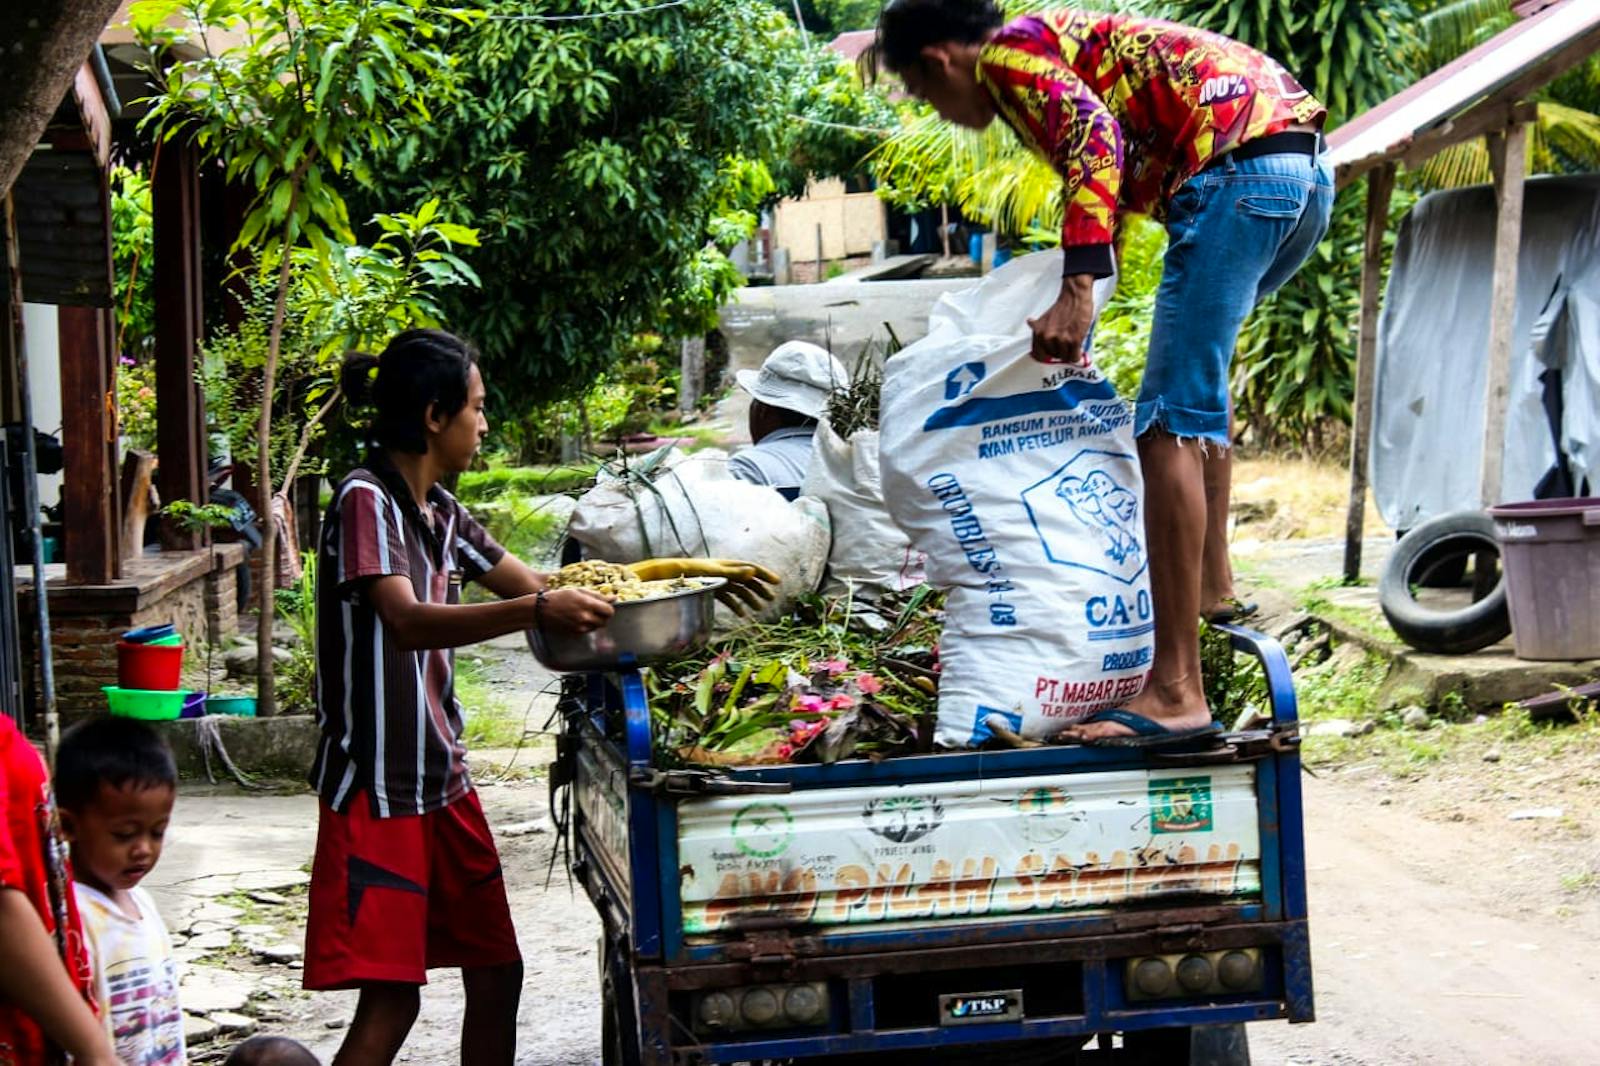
136, 401
297, 679
479, 486
1122, 336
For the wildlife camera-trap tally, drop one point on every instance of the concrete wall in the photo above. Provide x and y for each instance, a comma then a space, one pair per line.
851, 222
41, 334
844, 314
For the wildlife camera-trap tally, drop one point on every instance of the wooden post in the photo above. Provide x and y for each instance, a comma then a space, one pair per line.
1509, 152
1380, 187
180, 409
89, 509
692, 363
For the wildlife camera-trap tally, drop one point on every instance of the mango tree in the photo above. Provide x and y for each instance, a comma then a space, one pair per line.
595, 151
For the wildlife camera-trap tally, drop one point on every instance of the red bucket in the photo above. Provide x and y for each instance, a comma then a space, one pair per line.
153, 667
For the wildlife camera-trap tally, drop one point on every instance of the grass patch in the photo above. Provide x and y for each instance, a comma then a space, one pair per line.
481, 486
492, 719
703, 436
1308, 497
528, 527
1365, 620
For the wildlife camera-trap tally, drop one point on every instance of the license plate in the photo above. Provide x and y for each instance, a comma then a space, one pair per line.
971, 1008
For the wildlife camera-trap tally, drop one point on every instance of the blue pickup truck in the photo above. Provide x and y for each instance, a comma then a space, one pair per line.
1055, 904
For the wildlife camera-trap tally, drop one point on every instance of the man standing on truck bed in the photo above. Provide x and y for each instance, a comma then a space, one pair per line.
1213, 138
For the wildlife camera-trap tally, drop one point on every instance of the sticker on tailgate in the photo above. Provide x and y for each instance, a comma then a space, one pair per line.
1180, 805
973, 1007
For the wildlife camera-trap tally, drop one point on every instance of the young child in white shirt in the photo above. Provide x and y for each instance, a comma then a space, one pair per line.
115, 786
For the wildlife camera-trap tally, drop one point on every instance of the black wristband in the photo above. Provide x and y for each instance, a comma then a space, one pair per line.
538, 611
1095, 259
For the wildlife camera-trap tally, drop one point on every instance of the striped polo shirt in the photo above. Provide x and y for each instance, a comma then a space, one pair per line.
391, 725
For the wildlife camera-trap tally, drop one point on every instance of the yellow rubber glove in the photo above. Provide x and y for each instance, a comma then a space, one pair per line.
750, 586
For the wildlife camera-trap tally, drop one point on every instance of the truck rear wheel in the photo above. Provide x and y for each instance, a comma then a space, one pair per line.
1202, 1045
619, 1023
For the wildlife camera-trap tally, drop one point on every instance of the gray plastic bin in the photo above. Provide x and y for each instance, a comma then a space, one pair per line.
1550, 551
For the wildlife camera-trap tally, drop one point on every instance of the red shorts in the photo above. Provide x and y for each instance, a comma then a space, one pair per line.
392, 898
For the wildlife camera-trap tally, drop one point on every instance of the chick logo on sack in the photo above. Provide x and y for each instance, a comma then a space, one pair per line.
1180, 805
1084, 517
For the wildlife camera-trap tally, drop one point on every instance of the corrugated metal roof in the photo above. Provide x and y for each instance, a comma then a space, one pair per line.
1522, 58
62, 230
853, 42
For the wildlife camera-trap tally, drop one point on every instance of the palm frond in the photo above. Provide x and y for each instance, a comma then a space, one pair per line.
1571, 137
1563, 140
1459, 165
1459, 27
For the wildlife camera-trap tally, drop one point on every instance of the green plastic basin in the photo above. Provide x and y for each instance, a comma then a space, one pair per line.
243, 706
150, 705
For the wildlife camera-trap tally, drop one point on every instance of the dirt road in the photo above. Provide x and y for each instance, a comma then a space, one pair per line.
1437, 943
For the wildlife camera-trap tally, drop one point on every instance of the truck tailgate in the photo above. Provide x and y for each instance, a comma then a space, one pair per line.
970, 849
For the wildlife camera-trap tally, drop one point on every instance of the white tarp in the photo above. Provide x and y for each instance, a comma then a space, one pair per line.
1427, 427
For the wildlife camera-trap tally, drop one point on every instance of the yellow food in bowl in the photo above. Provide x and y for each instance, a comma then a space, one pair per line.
615, 582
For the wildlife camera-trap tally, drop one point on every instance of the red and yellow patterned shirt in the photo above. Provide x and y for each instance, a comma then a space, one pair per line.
1128, 109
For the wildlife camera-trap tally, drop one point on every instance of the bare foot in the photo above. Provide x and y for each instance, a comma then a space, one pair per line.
1182, 708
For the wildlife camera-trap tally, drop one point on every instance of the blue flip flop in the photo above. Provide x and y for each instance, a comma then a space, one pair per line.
1148, 733
1233, 611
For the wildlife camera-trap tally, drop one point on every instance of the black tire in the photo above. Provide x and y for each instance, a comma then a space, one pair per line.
1202, 1045
1427, 550
619, 1024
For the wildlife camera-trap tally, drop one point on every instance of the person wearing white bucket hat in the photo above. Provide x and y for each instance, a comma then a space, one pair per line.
788, 396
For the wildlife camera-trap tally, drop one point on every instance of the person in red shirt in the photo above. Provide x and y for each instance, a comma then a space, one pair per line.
46, 983
1205, 134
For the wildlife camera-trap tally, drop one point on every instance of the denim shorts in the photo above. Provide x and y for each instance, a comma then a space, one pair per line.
1235, 233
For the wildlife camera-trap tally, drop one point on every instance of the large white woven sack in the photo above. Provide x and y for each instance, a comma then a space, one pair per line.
1020, 482
690, 506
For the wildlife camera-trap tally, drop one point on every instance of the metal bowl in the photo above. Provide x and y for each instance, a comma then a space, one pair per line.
640, 633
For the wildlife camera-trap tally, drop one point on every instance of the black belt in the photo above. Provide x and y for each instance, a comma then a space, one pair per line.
1290, 142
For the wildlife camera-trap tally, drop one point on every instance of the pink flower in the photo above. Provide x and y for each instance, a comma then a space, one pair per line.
810, 704
802, 732
868, 685
784, 751
840, 702
833, 667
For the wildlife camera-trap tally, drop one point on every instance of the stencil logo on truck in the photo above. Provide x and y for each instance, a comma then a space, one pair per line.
763, 830
1085, 518
1046, 814
903, 819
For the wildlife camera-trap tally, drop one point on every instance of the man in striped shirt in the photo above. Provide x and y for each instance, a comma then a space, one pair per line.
406, 876
1217, 140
